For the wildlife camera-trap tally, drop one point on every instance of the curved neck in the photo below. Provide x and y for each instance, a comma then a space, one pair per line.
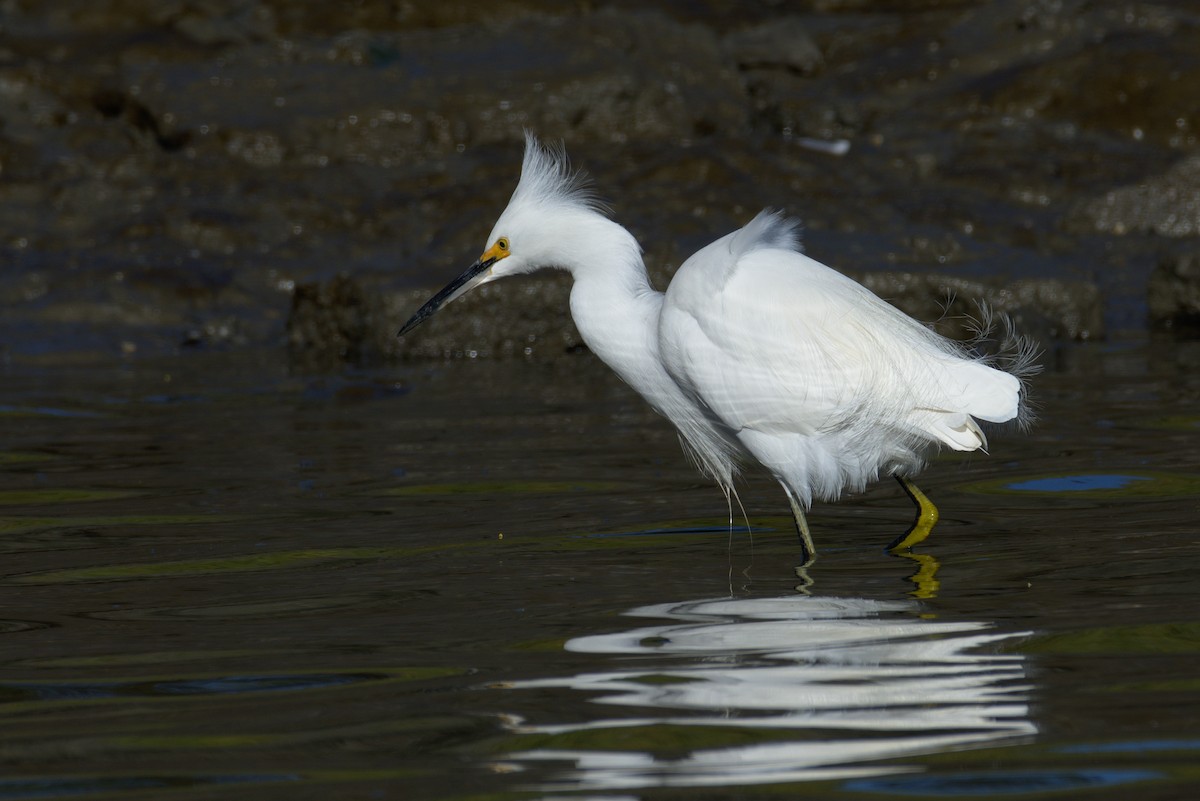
617, 310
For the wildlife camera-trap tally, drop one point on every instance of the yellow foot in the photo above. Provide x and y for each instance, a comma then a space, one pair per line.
927, 517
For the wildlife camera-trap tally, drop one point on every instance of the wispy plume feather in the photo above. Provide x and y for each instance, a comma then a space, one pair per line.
547, 179
995, 336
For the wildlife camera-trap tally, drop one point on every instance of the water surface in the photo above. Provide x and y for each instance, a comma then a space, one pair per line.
503, 580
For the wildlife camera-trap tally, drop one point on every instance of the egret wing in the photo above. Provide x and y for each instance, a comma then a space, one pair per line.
769, 347
774, 341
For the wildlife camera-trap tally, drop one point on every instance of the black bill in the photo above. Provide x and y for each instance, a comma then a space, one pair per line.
459, 286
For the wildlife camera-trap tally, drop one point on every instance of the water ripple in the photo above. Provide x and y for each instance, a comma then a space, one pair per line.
758, 691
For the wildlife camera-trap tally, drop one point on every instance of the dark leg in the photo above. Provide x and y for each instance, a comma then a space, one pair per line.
807, 551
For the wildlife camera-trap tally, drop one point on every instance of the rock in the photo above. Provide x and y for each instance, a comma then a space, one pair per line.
1044, 309
782, 44
1173, 294
520, 318
157, 155
353, 319
332, 322
1049, 309
1167, 205
1142, 90
349, 319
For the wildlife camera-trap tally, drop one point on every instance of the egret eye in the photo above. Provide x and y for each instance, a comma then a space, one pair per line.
502, 244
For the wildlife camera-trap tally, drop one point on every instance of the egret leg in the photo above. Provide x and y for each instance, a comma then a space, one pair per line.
927, 516
807, 551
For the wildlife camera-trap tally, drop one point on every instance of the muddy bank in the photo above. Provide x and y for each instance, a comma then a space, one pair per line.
172, 172
347, 319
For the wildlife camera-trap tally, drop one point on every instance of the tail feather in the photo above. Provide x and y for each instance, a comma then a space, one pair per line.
1000, 346
987, 383
962, 434
987, 393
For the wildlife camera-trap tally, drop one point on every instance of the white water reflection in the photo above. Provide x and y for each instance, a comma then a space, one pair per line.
807, 688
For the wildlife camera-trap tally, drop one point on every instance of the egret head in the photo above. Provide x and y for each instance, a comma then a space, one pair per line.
535, 230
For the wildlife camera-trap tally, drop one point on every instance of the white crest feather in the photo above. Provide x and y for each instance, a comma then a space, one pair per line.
548, 180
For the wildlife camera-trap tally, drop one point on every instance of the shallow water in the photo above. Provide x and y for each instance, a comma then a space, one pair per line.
503, 580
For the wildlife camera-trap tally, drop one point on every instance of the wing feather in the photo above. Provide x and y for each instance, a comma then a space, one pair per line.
774, 341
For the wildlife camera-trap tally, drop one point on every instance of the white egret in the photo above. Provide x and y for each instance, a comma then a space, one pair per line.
755, 352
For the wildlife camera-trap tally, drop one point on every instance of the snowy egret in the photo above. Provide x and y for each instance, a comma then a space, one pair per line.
756, 352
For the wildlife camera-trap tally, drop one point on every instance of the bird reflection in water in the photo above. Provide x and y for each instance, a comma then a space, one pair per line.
770, 690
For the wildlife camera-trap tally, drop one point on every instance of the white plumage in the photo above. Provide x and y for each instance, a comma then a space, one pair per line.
756, 352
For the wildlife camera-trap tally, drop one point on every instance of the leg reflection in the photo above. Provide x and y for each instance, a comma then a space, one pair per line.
925, 578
